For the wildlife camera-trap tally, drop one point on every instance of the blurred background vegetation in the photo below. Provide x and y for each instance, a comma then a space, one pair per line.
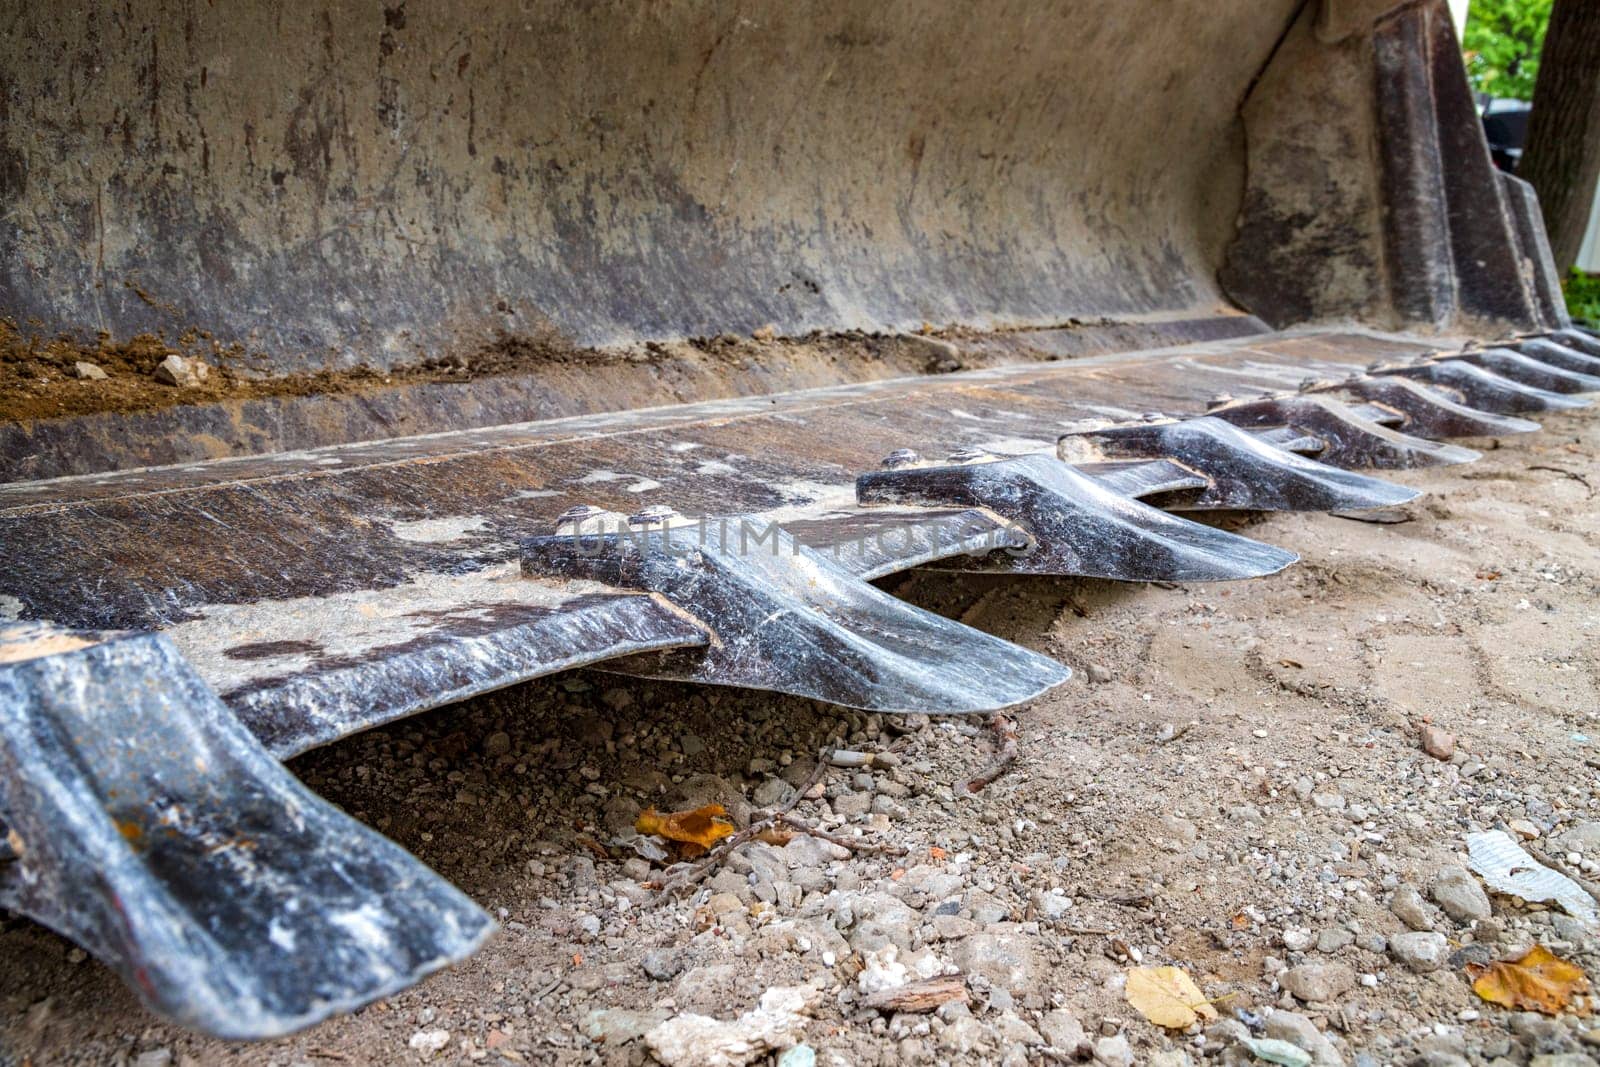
1502, 43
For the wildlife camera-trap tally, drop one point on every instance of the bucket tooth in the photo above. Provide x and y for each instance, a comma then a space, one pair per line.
1428, 413
1582, 340
149, 826
1559, 354
1527, 370
1289, 439
1144, 477
1243, 471
1078, 525
1349, 440
786, 618
1481, 388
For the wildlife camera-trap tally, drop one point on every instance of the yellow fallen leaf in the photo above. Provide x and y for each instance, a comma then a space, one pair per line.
698, 829
1539, 981
1167, 996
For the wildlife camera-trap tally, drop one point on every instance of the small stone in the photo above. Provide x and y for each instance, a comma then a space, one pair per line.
1319, 982
1172, 1057
1113, 1051
1523, 829
1437, 742
1409, 907
1422, 952
1013, 1031
1006, 960
89, 372
497, 744
771, 793
1302, 1033
618, 1026
1298, 939
1334, 938
798, 1056
662, 965
1098, 674
852, 804
1584, 837
1063, 1031
422, 1040
1460, 895
1225, 1033
180, 372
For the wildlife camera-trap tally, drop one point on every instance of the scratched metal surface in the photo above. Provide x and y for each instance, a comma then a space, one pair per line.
244, 560
151, 828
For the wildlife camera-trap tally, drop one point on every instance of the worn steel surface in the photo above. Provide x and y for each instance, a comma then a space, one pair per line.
1480, 388
1241, 470
787, 617
411, 544
327, 183
149, 826
1424, 412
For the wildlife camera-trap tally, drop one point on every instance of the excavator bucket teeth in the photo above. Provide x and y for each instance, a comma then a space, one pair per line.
787, 618
1428, 413
1559, 354
1481, 388
1349, 440
1240, 470
1529, 371
1077, 525
308, 377
1578, 340
149, 826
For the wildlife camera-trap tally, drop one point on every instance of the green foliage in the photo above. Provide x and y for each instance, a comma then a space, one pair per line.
1502, 42
1583, 296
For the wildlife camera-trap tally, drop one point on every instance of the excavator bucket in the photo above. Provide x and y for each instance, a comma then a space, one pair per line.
358, 359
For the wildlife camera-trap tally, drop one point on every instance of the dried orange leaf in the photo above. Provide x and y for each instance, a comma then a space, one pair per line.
702, 827
1167, 996
1539, 981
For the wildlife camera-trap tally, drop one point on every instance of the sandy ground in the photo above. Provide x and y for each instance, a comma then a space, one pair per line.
1232, 783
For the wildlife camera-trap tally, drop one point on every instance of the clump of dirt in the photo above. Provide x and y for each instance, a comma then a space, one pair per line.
39, 379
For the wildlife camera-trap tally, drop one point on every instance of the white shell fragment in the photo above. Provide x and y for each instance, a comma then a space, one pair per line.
1507, 868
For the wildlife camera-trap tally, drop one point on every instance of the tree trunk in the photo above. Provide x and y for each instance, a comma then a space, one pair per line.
1562, 156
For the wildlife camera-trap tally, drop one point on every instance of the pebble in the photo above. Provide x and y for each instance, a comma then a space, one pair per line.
1437, 742
1098, 674
1422, 952
1006, 960
662, 965
1113, 1051
1319, 982
1334, 938
1302, 1033
497, 744
89, 372
1460, 896
426, 1040
1409, 907
180, 372
1063, 1031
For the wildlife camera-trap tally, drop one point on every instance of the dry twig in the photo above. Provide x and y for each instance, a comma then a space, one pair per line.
1006, 734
